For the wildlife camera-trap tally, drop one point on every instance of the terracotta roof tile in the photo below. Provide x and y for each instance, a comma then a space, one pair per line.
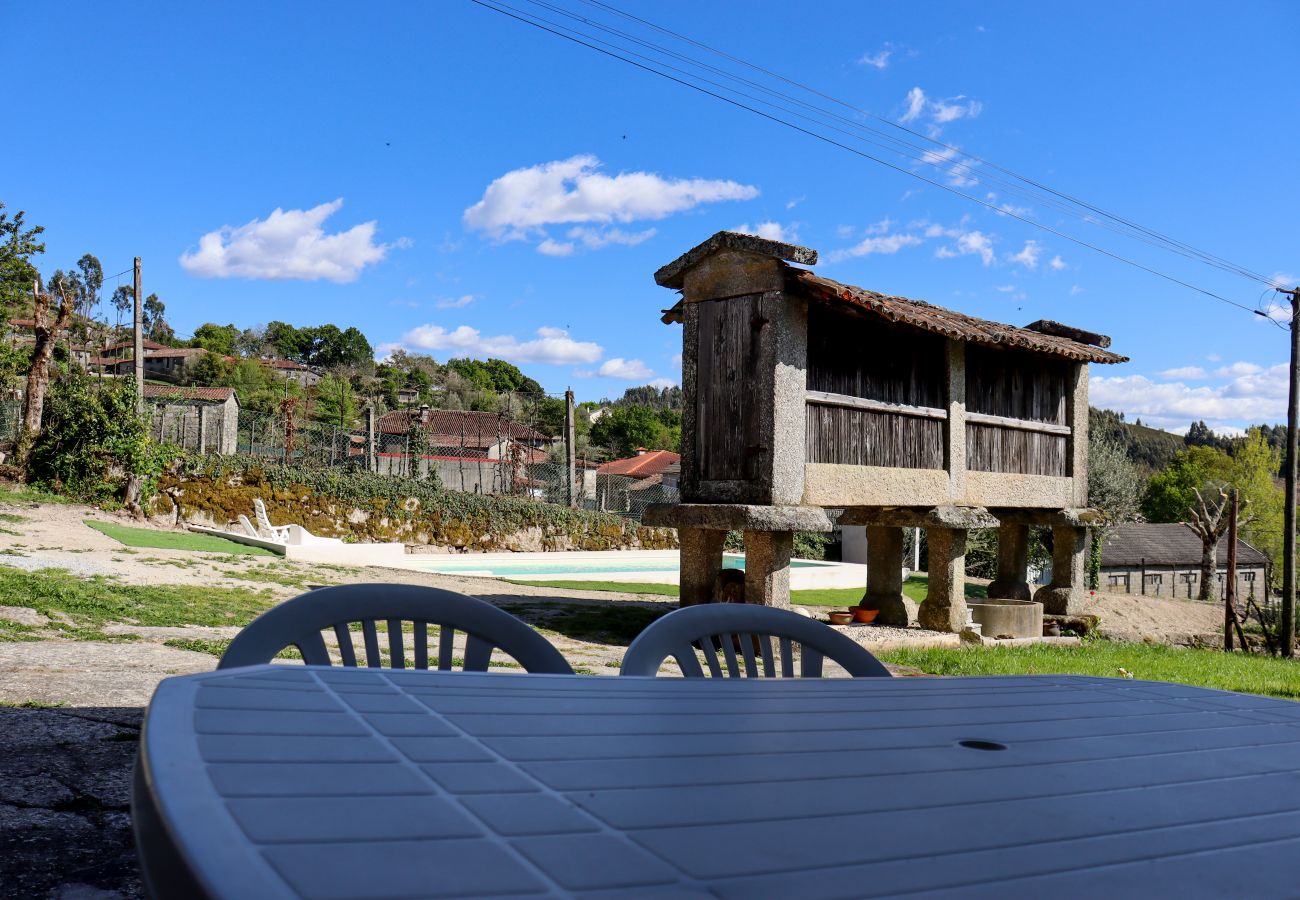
652, 462
175, 392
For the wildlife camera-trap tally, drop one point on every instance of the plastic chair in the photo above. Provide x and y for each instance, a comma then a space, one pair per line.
300, 621
270, 532
727, 625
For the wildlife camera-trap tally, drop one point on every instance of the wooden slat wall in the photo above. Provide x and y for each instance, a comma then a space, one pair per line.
869, 357
862, 438
1015, 384
726, 424
990, 448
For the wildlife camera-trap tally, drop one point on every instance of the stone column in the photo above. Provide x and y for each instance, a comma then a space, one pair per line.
701, 558
885, 575
1066, 595
944, 608
1012, 582
767, 567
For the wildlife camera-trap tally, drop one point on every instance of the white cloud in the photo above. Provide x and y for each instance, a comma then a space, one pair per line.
1057, 264
1238, 369
629, 369
662, 383
773, 231
676, 361
1007, 209
966, 243
1256, 397
1028, 257
1006, 288
879, 241
1075, 291
938, 112
878, 60
595, 238
522, 203
455, 302
1192, 372
795, 201
286, 245
552, 345
1285, 280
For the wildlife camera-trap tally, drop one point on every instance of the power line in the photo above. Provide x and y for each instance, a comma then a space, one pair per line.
524, 18
1205, 256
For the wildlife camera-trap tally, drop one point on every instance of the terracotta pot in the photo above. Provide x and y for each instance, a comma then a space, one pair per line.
864, 615
840, 618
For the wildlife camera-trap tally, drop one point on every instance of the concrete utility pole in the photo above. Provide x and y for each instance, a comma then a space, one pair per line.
1230, 585
139, 341
1286, 627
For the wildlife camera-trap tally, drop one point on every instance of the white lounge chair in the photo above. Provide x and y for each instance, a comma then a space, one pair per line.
265, 529
247, 526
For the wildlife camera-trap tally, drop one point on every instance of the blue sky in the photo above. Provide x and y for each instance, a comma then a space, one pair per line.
454, 182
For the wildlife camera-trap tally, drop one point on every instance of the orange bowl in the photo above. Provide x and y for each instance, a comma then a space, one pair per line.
864, 615
840, 618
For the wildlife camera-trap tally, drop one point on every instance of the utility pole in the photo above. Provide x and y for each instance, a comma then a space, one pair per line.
139, 342
1230, 588
570, 452
1286, 627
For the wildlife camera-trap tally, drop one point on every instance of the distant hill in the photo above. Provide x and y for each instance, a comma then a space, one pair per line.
1150, 448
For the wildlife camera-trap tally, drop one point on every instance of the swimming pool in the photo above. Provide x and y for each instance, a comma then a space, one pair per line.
654, 566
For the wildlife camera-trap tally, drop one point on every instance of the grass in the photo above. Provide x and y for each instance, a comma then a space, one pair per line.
915, 588
33, 704
12, 518
613, 624
173, 540
1248, 674
285, 579
25, 494
97, 601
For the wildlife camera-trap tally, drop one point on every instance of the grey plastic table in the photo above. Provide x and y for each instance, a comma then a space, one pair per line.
283, 781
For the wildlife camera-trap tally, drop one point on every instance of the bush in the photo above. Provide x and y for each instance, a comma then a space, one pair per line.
92, 440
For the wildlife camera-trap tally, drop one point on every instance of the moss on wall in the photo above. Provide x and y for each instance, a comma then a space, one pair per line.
363, 506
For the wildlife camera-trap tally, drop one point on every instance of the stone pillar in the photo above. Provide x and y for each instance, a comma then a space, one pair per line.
885, 575
944, 608
1012, 582
767, 567
955, 432
203, 429
1066, 595
701, 558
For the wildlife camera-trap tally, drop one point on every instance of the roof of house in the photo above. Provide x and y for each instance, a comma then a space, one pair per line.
278, 363
175, 392
1041, 337
1167, 545
460, 428
643, 465
130, 345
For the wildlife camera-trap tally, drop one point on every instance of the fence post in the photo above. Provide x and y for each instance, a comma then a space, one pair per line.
570, 451
203, 429
371, 462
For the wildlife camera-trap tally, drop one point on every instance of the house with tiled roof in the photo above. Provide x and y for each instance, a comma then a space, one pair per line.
1164, 560
167, 362
202, 419
292, 369
629, 484
469, 450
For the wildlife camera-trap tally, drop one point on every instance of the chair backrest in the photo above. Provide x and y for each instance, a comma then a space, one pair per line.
728, 626
263, 520
300, 622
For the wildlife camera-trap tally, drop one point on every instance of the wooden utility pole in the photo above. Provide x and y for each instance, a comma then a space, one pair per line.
1286, 627
138, 334
570, 452
1230, 587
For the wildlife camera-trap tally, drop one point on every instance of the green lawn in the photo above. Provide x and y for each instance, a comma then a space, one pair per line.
915, 588
1249, 674
173, 540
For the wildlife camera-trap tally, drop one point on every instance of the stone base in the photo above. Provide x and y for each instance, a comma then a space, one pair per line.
938, 617
1062, 601
895, 609
737, 517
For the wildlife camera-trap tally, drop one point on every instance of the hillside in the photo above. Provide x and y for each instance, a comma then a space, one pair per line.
1150, 448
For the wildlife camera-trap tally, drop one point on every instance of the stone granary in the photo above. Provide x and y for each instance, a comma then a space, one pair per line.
804, 395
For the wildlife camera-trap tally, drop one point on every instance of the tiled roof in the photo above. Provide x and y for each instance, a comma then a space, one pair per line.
1167, 545
130, 345
916, 313
170, 392
652, 462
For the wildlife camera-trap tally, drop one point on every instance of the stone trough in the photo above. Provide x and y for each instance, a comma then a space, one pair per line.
997, 616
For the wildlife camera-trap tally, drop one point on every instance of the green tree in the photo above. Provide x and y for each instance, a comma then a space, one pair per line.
1254, 463
216, 338
625, 428
336, 403
153, 323
123, 301
1172, 492
494, 375
18, 244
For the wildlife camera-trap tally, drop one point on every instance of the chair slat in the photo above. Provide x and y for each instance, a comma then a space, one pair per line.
769, 663
421, 641
747, 650
445, 637
347, 652
478, 653
312, 648
810, 662
710, 656
396, 653
787, 658
729, 653
373, 659
689, 663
